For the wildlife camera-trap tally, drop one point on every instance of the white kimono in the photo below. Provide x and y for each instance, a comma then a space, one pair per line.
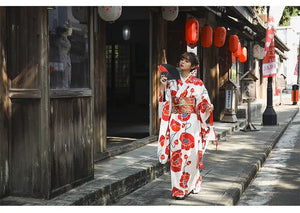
181, 135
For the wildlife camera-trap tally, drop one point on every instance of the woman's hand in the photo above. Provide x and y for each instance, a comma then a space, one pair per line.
209, 108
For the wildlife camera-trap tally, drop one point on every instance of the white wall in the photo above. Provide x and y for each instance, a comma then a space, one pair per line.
289, 35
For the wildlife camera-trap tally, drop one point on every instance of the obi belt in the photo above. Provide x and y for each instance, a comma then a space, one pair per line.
183, 105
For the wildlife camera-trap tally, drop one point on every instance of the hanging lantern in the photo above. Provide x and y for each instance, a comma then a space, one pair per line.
110, 13
169, 13
220, 36
206, 36
233, 43
126, 33
191, 31
238, 52
243, 56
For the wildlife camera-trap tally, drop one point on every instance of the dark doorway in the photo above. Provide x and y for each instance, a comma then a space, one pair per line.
127, 60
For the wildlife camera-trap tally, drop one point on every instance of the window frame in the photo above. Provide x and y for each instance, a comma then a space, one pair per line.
85, 91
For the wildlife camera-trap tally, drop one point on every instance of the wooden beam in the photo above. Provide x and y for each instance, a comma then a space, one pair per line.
159, 45
100, 84
70, 93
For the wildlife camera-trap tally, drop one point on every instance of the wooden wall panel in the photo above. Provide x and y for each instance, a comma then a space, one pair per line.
71, 137
4, 170
25, 162
27, 68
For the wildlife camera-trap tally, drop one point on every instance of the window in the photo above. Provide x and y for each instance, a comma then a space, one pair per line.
69, 47
118, 67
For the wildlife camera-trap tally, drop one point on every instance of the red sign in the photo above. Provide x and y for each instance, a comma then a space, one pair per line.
269, 63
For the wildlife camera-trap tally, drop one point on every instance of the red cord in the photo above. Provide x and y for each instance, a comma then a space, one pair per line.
211, 123
211, 119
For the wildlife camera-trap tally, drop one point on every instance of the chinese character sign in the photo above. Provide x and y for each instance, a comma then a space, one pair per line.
229, 98
269, 64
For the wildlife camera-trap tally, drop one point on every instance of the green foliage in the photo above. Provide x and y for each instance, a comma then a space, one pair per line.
288, 12
260, 9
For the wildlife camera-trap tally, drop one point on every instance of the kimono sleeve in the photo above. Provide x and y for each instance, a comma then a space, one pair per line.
163, 148
202, 100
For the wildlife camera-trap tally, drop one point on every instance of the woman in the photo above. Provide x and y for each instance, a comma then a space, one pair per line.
183, 127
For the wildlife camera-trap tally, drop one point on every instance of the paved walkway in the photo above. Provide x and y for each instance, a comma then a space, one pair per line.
226, 174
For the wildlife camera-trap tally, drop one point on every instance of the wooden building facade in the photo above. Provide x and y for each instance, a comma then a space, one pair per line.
64, 68
46, 134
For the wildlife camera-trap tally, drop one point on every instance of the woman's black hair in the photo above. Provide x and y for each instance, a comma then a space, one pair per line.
191, 57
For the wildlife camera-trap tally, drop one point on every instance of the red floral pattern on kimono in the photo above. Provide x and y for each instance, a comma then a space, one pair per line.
184, 180
187, 141
176, 161
183, 134
177, 192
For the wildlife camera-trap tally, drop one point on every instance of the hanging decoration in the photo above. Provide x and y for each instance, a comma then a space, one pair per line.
238, 52
243, 56
126, 32
169, 13
110, 13
192, 32
220, 36
206, 36
233, 43
269, 62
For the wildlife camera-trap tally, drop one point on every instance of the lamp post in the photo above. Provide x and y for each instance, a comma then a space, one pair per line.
269, 115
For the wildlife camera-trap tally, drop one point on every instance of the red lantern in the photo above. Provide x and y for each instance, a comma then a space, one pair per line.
191, 31
238, 52
206, 36
220, 36
233, 43
243, 56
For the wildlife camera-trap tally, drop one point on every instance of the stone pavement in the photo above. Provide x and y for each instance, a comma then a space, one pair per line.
227, 172
138, 174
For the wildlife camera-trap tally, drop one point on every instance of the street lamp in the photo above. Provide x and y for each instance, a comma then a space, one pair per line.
269, 115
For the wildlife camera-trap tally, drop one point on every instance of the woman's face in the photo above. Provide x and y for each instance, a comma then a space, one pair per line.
185, 64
